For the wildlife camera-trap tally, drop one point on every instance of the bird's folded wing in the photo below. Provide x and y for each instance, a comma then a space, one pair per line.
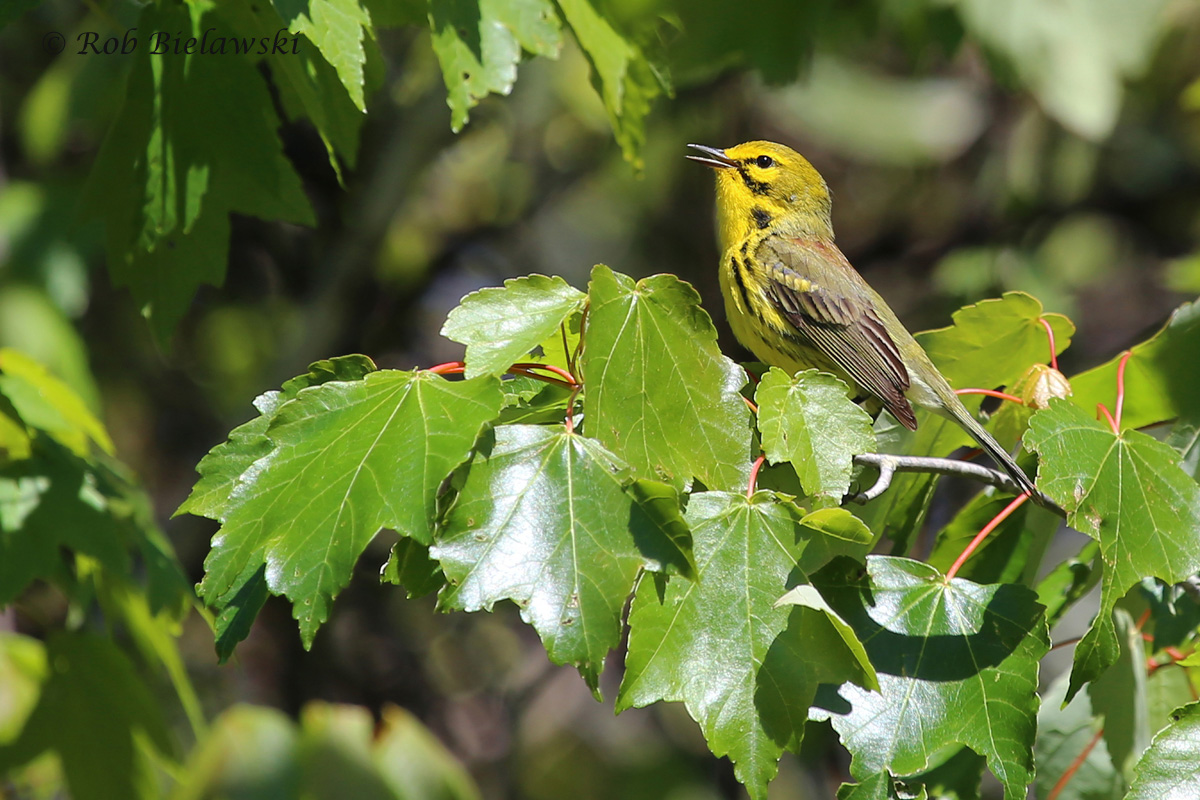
846, 330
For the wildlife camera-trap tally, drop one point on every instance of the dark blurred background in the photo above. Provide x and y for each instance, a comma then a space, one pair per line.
962, 165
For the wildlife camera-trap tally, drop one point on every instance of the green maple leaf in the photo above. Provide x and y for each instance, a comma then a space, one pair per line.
337, 28
809, 421
346, 458
224, 464
501, 326
1127, 492
195, 139
957, 665
1156, 389
746, 666
628, 81
1167, 770
993, 342
659, 392
220, 471
478, 45
555, 523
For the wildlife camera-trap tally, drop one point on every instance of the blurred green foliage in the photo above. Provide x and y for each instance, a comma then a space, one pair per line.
972, 147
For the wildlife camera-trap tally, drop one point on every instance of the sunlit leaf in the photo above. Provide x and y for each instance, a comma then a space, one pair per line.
346, 458
809, 421
224, 464
479, 46
555, 523
219, 472
337, 28
957, 665
749, 687
993, 342
659, 392
501, 326
840, 534
1128, 493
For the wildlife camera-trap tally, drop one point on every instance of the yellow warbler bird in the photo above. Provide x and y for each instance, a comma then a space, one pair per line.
794, 300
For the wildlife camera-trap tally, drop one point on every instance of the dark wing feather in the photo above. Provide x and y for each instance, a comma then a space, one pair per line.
844, 329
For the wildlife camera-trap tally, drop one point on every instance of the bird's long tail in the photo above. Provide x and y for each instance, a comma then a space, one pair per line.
993, 449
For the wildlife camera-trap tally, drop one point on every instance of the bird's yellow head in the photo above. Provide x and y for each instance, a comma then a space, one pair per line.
764, 185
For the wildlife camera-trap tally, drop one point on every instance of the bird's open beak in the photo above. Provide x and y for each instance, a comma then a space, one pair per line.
712, 157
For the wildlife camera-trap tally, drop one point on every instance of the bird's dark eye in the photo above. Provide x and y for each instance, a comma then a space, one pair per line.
764, 162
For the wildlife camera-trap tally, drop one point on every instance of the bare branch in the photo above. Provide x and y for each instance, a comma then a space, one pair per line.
888, 465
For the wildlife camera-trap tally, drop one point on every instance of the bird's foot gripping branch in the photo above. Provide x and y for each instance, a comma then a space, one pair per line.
596, 436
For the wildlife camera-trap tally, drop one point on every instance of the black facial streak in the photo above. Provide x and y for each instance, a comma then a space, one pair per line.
757, 187
737, 276
761, 218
